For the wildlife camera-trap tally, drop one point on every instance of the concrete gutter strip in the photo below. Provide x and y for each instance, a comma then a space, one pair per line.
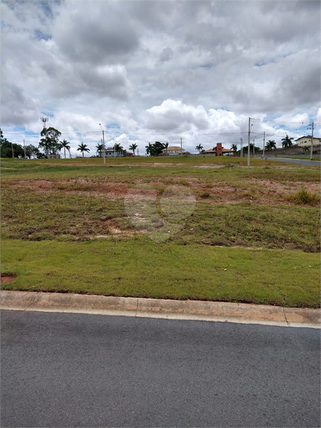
160, 308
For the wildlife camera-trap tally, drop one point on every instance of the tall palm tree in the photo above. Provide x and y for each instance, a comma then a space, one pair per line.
133, 147
287, 141
100, 148
83, 148
270, 145
199, 147
234, 147
118, 148
149, 149
66, 146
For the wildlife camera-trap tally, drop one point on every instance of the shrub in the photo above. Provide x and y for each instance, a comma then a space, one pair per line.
304, 197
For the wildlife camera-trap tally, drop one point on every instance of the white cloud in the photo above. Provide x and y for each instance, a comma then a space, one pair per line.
171, 69
175, 116
293, 121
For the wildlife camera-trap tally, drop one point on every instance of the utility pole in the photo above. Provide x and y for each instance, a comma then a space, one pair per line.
263, 143
181, 145
24, 147
253, 147
104, 151
12, 152
311, 150
103, 142
241, 147
248, 143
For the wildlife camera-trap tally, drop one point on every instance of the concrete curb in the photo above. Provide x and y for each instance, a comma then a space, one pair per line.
160, 308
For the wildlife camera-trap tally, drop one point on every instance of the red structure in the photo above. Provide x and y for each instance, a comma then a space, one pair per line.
219, 151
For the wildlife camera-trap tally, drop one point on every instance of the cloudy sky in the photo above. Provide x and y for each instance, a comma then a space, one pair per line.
160, 70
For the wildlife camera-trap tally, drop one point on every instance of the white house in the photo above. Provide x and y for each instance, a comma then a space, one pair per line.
306, 141
111, 153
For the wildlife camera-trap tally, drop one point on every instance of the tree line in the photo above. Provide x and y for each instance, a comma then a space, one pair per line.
270, 145
51, 146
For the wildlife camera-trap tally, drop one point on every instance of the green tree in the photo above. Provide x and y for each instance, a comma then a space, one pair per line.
234, 148
5, 146
270, 145
100, 148
133, 147
287, 141
66, 146
50, 141
31, 151
9, 149
252, 148
83, 148
156, 148
199, 147
118, 148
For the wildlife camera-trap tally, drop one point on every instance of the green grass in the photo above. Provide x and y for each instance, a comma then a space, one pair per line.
140, 268
80, 215
252, 235
305, 198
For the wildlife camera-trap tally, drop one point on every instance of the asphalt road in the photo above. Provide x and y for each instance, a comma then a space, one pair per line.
78, 370
298, 161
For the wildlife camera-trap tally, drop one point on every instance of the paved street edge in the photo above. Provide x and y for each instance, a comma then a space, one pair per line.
160, 308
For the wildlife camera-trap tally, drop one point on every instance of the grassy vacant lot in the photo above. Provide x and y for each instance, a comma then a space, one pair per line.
188, 227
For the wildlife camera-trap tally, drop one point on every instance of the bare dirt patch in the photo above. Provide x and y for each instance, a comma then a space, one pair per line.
215, 192
6, 278
267, 186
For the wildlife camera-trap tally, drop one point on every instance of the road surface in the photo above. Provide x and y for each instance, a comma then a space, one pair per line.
298, 161
80, 370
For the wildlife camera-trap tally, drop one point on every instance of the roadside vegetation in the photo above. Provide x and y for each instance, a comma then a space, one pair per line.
252, 236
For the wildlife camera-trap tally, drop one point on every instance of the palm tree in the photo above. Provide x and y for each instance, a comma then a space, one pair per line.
118, 148
65, 145
287, 141
133, 147
83, 148
270, 145
100, 148
234, 148
149, 149
199, 147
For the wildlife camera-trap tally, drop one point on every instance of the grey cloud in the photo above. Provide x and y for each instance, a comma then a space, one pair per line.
106, 82
17, 108
166, 55
302, 88
95, 35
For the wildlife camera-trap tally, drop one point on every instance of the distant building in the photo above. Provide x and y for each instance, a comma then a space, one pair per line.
219, 151
111, 153
173, 150
306, 141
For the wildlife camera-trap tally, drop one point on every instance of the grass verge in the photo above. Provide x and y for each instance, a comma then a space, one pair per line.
241, 242
140, 268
